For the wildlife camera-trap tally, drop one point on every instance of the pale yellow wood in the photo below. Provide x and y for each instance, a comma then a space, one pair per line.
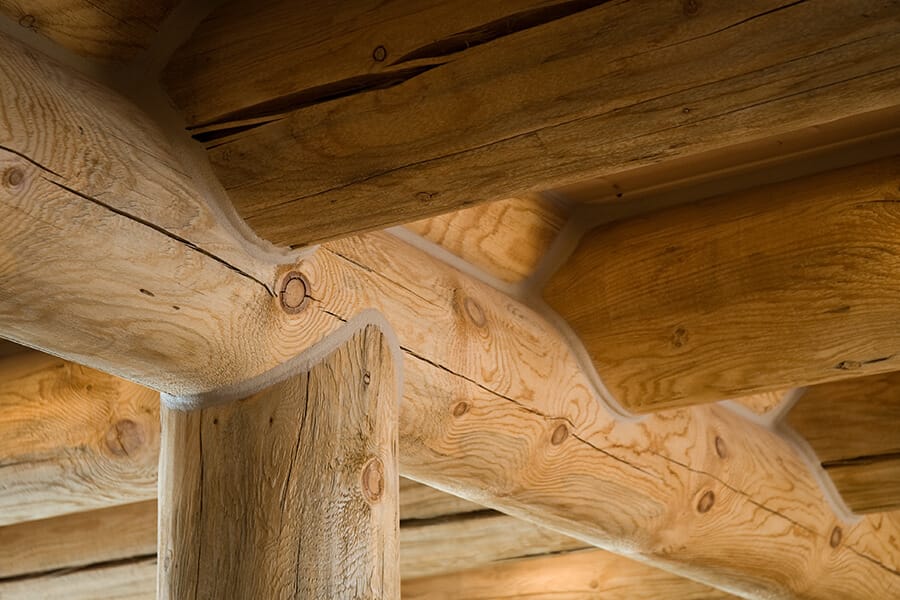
585, 575
854, 428
291, 492
72, 439
488, 382
764, 403
779, 286
506, 238
545, 101
111, 30
77, 540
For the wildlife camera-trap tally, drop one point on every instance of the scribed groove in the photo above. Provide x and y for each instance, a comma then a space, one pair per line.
163, 231
499, 28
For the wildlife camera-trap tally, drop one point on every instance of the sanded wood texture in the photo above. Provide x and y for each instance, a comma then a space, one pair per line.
586, 575
290, 493
506, 239
496, 405
785, 285
72, 439
111, 30
854, 428
357, 126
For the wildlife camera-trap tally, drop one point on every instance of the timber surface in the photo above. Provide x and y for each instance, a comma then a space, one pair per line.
854, 428
790, 284
357, 126
290, 493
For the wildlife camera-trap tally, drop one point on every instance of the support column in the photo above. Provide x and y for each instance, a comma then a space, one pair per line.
291, 492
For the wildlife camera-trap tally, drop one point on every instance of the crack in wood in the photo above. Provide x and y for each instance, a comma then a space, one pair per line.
31, 161
499, 28
128, 560
861, 460
163, 231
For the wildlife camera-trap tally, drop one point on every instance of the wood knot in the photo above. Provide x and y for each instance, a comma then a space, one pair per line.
690, 7
293, 294
706, 502
559, 435
124, 438
679, 337
836, 535
379, 54
475, 312
425, 197
373, 480
721, 450
367, 378
13, 177
848, 365
460, 409
28, 21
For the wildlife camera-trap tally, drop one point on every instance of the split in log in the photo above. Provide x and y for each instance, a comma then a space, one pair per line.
785, 285
854, 428
291, 492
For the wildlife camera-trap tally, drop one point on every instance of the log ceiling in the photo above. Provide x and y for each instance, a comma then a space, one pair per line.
611, 284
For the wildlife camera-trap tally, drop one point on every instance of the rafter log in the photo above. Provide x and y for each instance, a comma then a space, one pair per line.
551, 92
785, 285
489, 377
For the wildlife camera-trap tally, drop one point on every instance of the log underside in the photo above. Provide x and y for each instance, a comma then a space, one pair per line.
681, 209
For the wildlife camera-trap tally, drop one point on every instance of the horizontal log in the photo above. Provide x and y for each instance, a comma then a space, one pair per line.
585, 575
369, 135
785, 285
72, 439
854, 428
496, 406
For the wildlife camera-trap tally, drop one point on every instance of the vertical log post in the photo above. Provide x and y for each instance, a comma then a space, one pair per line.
291, 492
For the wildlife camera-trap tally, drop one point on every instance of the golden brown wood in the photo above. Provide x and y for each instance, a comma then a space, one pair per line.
419, 501
784, 285
506, 238
290, 493
128, 580
77, 540
585, 575
112, 30
359, 143
854, 428
765, 403
488, 383
72, 439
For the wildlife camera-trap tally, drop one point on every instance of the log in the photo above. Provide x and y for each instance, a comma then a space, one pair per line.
291, 492
853, 427
72, 438
781, 286
370, 134
497, 407
585, 575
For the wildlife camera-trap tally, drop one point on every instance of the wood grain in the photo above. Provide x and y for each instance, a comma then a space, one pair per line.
290, 493
488, 383
419, 501
546, 101
505, 239
126, 580
781, 286
765, 403
586, 575
854, 428
113, 30
72, 439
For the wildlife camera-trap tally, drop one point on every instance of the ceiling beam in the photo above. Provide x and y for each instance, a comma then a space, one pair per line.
780, 286
161, 289
854, 428
388, 114
72, 438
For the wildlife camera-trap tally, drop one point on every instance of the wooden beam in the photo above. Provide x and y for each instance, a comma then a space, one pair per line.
585, 575
315, 453
505, 239
496, 405
854, 428
370, 134
72, 439
780, 286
